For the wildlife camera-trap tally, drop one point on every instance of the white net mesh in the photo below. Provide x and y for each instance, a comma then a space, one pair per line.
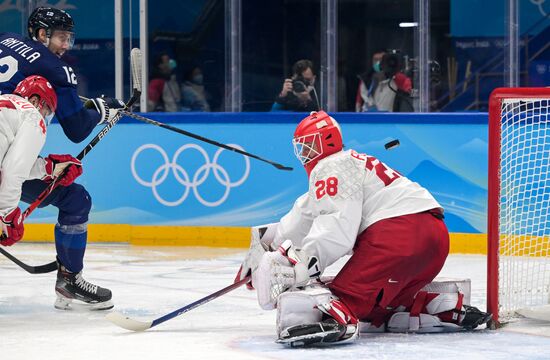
524, 218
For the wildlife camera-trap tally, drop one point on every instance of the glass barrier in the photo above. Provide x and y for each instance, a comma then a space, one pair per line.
373, 48
534, 43
186, 56
279, 55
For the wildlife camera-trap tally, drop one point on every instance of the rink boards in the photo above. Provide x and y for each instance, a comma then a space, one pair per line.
153, 186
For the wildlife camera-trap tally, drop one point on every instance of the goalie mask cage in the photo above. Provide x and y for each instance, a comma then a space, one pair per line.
518, 266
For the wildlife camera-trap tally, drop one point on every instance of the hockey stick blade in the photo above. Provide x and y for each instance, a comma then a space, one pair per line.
128, 323
40, 269
135, 67
206, 140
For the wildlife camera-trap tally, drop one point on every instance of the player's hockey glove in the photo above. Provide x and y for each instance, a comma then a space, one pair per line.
55, 165
106, 107
12, 227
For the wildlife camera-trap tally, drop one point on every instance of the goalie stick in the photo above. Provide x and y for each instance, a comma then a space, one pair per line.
136, 325
135, 65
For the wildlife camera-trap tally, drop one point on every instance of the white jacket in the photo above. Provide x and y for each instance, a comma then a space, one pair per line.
348, 192
22, 136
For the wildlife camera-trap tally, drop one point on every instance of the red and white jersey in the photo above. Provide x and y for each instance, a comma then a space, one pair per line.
22, 136
348, 192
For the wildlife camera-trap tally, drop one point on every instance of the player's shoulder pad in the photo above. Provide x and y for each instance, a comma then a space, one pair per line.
348, 172
26, 110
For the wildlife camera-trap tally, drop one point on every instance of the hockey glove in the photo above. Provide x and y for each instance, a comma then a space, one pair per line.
106, 107
280, 271
56, 164
12, 227
261, 238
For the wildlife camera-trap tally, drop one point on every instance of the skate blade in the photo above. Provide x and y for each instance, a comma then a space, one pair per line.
63, 303
307, 339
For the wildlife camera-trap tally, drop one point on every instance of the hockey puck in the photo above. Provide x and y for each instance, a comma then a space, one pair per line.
392, 144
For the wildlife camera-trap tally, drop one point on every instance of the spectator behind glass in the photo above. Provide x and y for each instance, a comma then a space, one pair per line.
164, 90
298, 93
368, 81
394, 93
194, 96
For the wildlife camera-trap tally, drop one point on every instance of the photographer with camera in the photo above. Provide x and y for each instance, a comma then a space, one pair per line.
298, 92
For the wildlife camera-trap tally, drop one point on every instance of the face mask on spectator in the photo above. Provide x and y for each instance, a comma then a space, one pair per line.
172, 64
376, 66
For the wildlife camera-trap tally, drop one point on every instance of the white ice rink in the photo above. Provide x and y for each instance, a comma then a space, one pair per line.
150, 282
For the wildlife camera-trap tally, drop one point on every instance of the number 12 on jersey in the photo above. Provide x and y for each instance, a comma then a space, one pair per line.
71, 77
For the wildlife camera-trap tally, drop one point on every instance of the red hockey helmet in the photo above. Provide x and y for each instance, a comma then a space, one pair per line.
316, 137
38, 85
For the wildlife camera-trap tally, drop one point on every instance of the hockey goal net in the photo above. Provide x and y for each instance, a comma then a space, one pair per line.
518, 279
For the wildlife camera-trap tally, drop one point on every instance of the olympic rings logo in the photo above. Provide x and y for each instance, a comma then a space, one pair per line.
182, 176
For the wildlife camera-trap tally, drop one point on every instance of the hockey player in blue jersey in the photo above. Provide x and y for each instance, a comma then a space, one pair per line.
51, 35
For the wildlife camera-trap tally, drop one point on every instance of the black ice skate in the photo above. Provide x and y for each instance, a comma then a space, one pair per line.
72, 286
325, 332
474, 317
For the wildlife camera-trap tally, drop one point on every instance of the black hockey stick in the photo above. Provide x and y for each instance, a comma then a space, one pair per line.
202, 138
136, 325
135, 57
40, 269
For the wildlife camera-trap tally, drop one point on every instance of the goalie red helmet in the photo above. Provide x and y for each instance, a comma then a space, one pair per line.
39, 86
316, 137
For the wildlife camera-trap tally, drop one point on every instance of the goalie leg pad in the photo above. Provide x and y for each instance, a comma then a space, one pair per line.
400, 323
437, 312
300, 307
453, 286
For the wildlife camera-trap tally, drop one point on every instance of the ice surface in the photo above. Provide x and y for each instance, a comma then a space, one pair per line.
150, 282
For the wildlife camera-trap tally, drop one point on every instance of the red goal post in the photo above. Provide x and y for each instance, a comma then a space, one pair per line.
518, 221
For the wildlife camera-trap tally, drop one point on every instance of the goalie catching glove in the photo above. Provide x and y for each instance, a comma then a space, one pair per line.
281, 270
260, 240
12, 227
55, 165
106, 107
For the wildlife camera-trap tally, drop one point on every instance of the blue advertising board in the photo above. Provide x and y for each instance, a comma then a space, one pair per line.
142, 174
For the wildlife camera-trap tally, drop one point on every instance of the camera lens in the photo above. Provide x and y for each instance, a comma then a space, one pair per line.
298, 86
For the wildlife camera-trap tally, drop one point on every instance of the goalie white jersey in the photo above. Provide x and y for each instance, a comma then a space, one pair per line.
348, 192
22, 136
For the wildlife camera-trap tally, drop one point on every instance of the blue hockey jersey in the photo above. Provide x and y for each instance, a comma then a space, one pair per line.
21, 57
